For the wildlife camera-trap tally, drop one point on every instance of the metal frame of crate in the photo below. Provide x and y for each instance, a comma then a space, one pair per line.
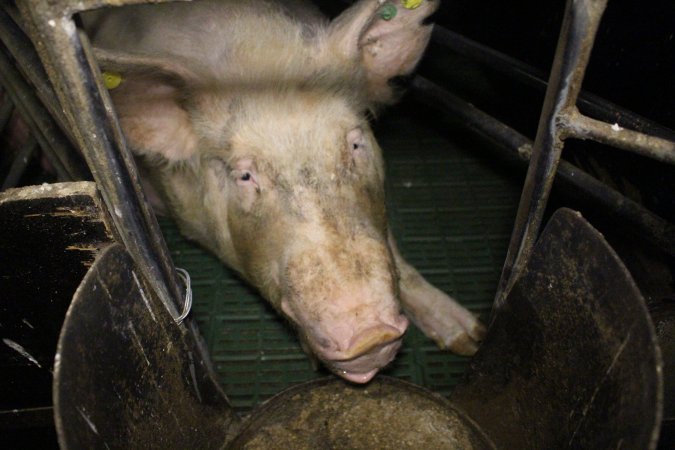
68, 106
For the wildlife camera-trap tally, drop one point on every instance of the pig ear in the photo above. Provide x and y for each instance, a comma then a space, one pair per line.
388, 38
148, 94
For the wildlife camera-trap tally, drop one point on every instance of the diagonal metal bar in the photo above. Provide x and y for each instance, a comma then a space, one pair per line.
580, 24
67, 57
6, 110
49, 136
589, 104
19, 164
28, 62
646, 224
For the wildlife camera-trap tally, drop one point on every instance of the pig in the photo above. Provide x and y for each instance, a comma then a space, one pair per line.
250, 120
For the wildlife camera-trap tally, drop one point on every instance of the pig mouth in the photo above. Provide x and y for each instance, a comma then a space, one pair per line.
361, 369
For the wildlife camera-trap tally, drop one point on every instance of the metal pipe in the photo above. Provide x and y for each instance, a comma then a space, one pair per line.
67, 58
49, 136
6, 110
649, 226
27, 59
580, 24
471, 117
576, 125
589, 104
19, 164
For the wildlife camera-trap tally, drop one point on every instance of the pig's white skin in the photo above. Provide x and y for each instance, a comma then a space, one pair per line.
250, 118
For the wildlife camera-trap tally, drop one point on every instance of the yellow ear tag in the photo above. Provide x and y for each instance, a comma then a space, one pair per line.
111, 79
411, 4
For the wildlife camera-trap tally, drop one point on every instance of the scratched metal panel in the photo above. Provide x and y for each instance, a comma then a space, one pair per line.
451, 208
49, 236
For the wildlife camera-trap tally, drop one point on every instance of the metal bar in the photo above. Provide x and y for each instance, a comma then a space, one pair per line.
471, 117
647, 225
42, 126
580, 24
576, 125
27, 59
67, 58
19, 164
6, 110
588, 103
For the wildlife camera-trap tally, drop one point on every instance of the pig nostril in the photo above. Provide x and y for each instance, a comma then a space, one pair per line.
370, 339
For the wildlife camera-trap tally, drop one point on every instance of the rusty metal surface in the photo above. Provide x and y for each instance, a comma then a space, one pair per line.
49, 236
126, 375
571, 359
386, 414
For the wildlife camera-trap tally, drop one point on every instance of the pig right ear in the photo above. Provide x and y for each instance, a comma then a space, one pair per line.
148, 94
387, 38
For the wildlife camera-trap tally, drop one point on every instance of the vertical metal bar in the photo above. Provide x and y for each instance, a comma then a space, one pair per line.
67, 58
19, 164
580, 24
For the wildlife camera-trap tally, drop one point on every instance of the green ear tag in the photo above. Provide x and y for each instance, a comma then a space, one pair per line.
388, 11
111, 79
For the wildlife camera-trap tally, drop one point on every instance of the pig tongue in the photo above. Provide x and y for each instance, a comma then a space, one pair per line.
357, 377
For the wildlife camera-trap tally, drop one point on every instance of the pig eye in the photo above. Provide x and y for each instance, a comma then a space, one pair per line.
356, 141
245, 178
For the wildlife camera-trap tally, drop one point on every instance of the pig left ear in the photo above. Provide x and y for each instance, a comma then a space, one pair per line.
148, 94
387, 38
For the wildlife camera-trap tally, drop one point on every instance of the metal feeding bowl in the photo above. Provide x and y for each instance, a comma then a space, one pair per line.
570, 361
387, 413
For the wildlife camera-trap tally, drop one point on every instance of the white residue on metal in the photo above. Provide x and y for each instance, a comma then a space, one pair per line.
88, 420
145, 299
22, 351
137, 341
28, 324
193, 373
616, 127
68, 26
52, 23
118, 213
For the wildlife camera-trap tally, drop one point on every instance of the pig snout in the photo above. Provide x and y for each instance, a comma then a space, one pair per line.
367, 352
350, 345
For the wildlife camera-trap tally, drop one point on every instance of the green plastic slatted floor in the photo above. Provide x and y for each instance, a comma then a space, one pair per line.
451, 210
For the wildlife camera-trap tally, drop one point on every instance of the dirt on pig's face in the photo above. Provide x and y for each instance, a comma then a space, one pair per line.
250, 118
293, 194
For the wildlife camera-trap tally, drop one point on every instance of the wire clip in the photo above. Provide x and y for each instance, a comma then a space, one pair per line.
187, 304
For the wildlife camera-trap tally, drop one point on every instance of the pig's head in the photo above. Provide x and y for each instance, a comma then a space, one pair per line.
276, 170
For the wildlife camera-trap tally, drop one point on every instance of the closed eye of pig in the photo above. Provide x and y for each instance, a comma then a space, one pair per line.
250, 121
